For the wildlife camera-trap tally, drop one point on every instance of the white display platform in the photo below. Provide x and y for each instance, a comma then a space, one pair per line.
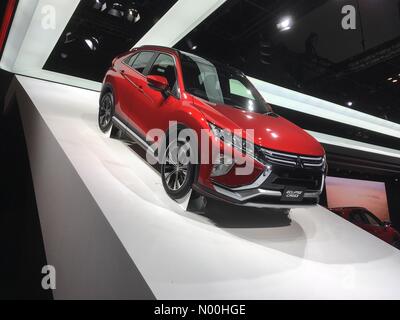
111, 231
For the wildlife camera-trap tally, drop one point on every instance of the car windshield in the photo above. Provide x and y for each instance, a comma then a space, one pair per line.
221, 85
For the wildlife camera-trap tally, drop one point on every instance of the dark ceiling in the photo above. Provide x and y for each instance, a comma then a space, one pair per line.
316, 56
99, 30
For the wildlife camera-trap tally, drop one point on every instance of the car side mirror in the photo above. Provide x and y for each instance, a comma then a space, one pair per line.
158, 83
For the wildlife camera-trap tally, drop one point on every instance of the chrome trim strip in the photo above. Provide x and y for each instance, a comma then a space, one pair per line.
279, 154
279, 160
317, 193
322, 183
313, 164
258, 182
247, 194
291, 159
135, 136
312, 159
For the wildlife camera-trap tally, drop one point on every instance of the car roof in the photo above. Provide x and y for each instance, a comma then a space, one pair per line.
180, 52
158, 48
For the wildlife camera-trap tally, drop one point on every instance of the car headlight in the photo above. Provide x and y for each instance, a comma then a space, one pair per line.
231, 139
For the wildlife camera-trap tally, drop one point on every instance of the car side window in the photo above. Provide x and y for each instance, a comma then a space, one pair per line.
131, 59
372, 220
142, 60
165, 66
239, 89
356, 217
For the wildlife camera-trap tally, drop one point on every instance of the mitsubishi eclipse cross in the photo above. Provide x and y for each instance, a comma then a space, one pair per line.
151, 87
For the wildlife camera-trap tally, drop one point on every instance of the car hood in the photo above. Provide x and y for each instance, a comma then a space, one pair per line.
270, 131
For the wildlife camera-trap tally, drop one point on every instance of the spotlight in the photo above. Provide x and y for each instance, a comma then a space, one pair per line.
390, 79
133, 15
285, 24
99, 5
92, 43
117, 10
191, 45
350, 103
395, 80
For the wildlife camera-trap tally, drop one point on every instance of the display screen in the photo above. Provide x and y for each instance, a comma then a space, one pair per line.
371, 195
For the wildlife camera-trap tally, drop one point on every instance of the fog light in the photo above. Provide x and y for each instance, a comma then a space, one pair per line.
224, 165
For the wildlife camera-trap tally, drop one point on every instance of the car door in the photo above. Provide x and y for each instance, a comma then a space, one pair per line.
156, 106
134, 99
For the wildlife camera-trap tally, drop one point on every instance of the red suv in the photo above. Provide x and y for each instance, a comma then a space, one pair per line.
161, 88
366, 220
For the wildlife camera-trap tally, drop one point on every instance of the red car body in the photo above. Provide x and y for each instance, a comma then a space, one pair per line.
366, 220
296, 158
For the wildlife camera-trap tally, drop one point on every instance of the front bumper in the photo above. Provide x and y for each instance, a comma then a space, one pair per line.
268, 189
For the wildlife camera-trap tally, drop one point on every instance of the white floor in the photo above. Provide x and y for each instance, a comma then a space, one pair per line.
229, 253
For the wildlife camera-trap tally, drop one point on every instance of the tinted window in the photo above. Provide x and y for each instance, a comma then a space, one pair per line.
131, 59
357, 217
219, 84
372, 220
165, 66
142, 61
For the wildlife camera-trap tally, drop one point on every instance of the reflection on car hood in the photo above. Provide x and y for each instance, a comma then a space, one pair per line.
270, 131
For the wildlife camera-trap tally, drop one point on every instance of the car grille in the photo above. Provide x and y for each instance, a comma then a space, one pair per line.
291, 160
307, 182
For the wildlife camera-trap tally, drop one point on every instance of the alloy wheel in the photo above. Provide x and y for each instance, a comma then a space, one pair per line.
105, 112
176, 170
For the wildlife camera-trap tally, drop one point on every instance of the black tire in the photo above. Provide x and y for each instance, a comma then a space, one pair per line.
106, 111
184, 186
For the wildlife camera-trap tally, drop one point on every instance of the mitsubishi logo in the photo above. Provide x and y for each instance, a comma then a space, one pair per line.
299, 163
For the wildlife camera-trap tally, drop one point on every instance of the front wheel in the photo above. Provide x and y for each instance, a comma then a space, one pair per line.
106, 111
177, 173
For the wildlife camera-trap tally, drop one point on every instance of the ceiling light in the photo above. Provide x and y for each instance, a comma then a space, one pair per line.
117, 10
191, 45
133, 15
285, 24
98, 4
350, 103
92, 43
390, 79
395, 80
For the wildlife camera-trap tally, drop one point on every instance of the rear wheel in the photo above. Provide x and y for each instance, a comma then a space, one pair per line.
177, 173
106, 111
